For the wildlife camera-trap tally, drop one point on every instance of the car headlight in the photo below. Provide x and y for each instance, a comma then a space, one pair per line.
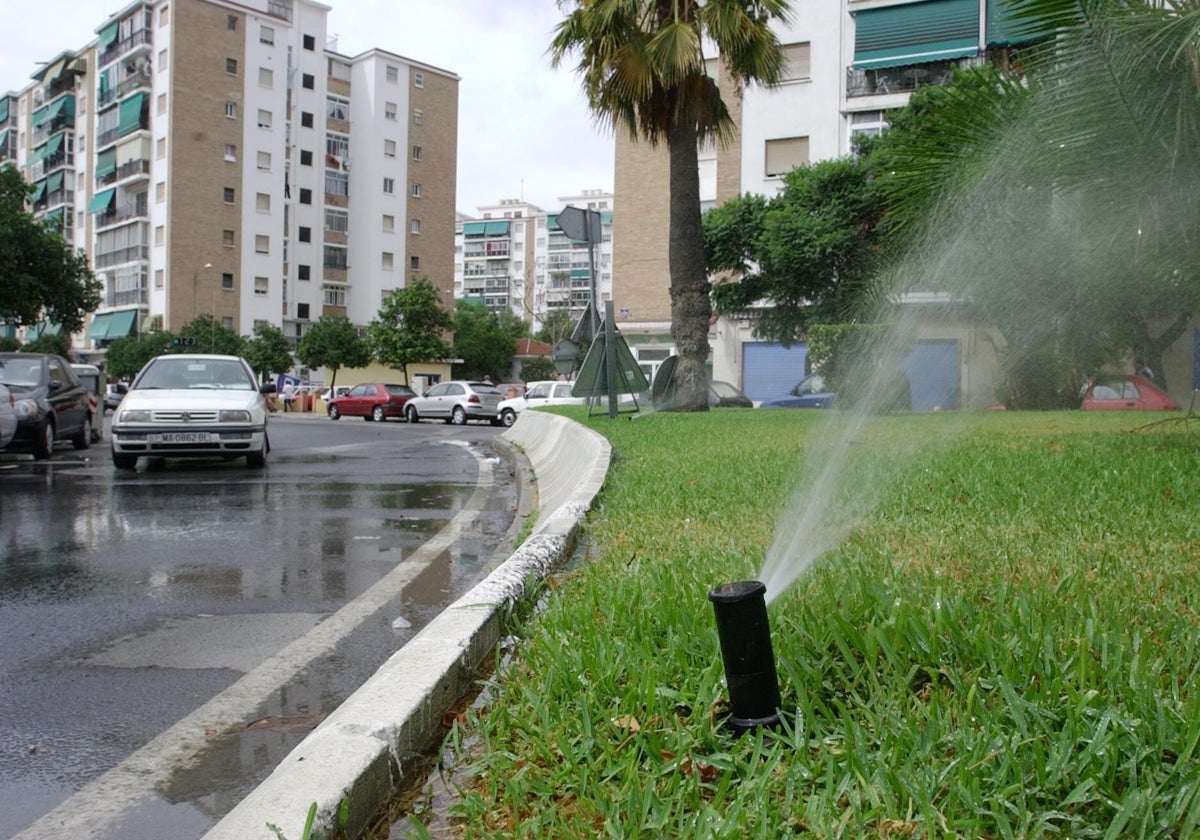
135, 415
234, 416
25, 409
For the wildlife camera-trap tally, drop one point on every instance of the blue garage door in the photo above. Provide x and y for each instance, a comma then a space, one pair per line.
770, 371
932, 369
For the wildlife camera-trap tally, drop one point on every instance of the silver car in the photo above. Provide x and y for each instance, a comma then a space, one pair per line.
8, 416
192, 406
456, 402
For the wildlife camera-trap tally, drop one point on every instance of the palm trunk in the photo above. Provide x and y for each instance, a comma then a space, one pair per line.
691, 307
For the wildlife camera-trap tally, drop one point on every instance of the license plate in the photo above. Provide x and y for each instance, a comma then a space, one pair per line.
180, 437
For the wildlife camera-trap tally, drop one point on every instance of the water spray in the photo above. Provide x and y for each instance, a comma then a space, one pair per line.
741, 612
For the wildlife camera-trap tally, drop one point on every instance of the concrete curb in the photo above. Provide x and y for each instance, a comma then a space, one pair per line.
359, 752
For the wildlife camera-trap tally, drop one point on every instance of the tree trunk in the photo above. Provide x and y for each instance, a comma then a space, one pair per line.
691, 307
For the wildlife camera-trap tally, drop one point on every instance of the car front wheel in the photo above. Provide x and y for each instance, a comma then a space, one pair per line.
410, 414
257, 459
43, 447
508, 417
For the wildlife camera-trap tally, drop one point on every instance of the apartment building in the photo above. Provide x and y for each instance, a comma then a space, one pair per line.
514, 255
847, 63
224, 159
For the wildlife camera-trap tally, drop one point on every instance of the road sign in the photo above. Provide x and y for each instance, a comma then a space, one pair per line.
565, 355
580, 225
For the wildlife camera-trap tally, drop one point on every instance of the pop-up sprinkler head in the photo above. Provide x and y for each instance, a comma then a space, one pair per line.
741, 610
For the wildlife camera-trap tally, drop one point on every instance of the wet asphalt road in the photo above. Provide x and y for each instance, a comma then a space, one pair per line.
129, 601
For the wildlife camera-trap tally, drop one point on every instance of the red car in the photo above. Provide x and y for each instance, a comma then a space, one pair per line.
371, 401
1126, 392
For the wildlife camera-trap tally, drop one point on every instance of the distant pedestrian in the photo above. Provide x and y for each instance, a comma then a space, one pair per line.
487, 380
289, 394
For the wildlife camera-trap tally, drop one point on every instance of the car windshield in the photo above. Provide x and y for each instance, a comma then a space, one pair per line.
22, 373
484, 388
400, 390
225, 374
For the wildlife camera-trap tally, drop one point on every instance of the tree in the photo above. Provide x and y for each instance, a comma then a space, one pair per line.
126, 356
644, 70
210, 336
333, 343
483, 343
9, 344
556, 326
44, 279
268, 351
810, 251
59, 344
536, 368
411, 327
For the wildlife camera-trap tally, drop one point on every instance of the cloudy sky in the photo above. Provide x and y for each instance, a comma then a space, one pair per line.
523, 128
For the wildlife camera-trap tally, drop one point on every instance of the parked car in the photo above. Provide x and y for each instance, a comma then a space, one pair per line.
192, 406
724, 395
8, 417
94, 380
549, 392
371, 401
1125, 392
50, 402
456, 402
113, 394
809, 393
327, 394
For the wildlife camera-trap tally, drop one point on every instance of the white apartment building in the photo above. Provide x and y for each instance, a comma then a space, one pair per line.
223, 158
514, 255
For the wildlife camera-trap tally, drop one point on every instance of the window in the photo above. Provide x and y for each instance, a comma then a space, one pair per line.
339, 70
389, 110
266, 77
231, 23
227, 195
310, 42
337, 220
388, 261
226, 281
784, 155
230, 152
160, 148
334, 296
335, 256
307, 81
305, 157
416, 152
162, 60
416, 189
337, 146
227, 238
418, 116
266, 35
868, 123
262, 202
415, 226
306, 119
264, 162
392, 73
305, 195
414, 263
337, 183
419, 80
160, 192
796, 63
260, 285
337, 108
389, 148
389, 185
303, 272
231, 110
231, 66
262, 244
164, 15
305, 234
264, 118
389, 224
158, 278
161, 104
302, 311
160, 235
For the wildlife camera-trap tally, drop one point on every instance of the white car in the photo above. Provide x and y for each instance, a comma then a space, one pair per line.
8, 416
456, 402
550, 392
192, 406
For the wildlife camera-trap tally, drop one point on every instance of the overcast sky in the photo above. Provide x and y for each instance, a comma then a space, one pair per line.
523, 128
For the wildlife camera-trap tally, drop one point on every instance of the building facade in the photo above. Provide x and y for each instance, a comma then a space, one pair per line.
514, 255
219, 158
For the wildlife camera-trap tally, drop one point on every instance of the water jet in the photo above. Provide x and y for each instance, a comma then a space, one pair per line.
745, 635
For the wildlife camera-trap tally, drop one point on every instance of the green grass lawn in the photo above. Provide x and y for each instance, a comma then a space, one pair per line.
1006, 646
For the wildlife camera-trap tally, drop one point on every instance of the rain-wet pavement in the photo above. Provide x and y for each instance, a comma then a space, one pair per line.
130, 600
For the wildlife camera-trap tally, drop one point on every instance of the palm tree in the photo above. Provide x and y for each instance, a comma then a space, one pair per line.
643, 69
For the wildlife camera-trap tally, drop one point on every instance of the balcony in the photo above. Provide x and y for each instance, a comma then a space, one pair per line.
136, 81
119, 48
121, 255
57, 124
120, 215
884, 80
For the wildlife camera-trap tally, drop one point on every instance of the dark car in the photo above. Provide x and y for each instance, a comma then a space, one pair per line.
372, 401
723, 395
810, 393
50, 401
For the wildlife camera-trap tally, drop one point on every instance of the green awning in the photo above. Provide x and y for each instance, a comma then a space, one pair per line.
580, 273
41, 329
41, 116
108, 34
131, 114
54, 182
1003, 29
56, 215
99, 328
106, 162
3, 139
3, 109
38, 192
915, 33
122, 323
496, 229
606, 218
53, 145
101, 200
51, 71
474, 228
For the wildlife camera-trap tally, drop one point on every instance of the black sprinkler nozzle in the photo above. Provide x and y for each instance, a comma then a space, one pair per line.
741, 611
